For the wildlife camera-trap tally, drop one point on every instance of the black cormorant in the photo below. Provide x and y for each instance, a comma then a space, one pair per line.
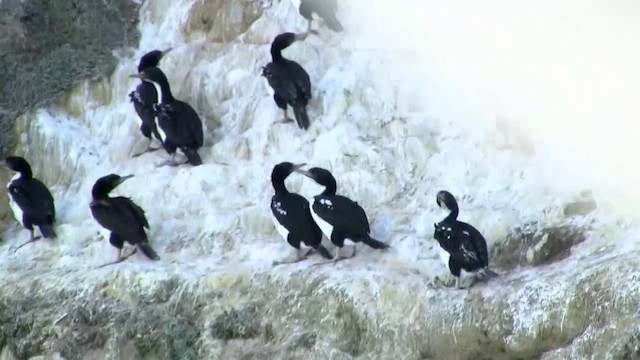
121, 216
178, 123
145, 96
462, 246
339, 217
291, 216
290, 81
30, 200
325, 9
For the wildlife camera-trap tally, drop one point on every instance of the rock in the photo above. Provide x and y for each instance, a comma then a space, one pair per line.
7, 354
221, 20
530, 246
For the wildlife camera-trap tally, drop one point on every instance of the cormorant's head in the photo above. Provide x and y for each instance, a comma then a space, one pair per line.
106, 184
446, 200
152, 59
17, 164
153, 75
284, 169
284, 40
319, 175
280, 172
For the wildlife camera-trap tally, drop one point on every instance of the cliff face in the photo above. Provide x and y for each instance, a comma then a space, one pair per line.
568, 288
48, 47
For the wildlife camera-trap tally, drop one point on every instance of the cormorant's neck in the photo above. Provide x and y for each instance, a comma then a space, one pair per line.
167, 96
276, 52
330, 188
26, 173
99, 195
278, 185
453, 214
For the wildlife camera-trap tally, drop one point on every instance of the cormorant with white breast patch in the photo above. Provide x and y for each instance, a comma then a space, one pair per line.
292, 217
30, 200
178, 122
339, 217
325, 9
289, 80
145, 96
462, 246
121, 216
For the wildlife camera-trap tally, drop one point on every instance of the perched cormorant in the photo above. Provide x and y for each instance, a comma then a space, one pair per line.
30, 200
290, 81
339, 217
325, 9
121, 216
291, 216
145, 96
462, 246
178, 123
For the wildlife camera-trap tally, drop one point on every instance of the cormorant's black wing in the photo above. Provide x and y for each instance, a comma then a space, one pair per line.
122, 216
144, 95
279, 79
172, 121
301, 79
292, 211
33, 197
477, 241
457, 240
342, 213
192, 121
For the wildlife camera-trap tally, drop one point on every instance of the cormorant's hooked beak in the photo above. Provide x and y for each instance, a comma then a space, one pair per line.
124, 178
303, 172
297, 167
165, 52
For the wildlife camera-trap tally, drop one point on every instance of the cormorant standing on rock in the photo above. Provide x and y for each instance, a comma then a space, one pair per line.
178, 123
292, 217
290, 81
30, 200
462, 246
326, 9
121, 216
145, 96
339, 217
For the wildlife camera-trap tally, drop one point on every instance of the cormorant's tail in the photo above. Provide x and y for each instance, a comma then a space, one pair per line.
374, 243
148, 251
47, 231
302, 118
324, 252
332, 22
193, 156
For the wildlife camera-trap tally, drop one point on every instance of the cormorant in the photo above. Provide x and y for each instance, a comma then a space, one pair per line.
30, 200
339, 217
145, 96
121, 216
326, 9
292, 217
462, 246
290, 81
178, 123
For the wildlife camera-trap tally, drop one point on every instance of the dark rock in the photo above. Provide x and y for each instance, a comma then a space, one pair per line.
530, 246
49, 46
